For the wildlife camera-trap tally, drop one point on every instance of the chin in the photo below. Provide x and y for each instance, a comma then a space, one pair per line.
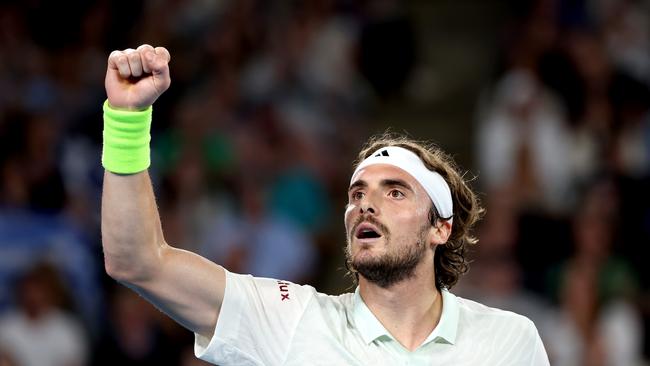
363, 250
365, 254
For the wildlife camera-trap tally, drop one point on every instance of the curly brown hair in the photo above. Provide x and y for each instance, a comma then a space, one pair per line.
450, 260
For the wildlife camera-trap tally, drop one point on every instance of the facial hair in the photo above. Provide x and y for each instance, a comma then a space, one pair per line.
392, 267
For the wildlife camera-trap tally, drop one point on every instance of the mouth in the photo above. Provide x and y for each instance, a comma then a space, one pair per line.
367, 231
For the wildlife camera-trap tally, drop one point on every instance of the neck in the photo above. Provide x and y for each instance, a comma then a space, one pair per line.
409, 310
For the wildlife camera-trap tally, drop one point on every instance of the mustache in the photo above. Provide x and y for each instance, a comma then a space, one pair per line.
371, 220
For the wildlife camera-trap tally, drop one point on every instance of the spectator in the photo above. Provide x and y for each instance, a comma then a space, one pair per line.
597, 322
39, 332
134, 336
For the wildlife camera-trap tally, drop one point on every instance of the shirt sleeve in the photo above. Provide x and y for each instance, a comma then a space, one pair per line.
256, 323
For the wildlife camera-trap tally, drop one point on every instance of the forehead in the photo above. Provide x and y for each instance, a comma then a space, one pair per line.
376, 173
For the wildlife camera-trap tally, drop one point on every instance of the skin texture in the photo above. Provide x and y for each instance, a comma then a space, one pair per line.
397, 206
184, 285
190, 288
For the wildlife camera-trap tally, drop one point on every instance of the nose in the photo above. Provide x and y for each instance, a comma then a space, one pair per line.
367, 207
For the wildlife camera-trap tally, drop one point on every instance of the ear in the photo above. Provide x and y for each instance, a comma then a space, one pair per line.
440, 232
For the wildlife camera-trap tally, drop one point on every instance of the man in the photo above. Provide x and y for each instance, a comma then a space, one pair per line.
407, 223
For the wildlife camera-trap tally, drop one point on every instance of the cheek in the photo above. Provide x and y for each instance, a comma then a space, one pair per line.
410, 221
410, 212
348, 216
421, 209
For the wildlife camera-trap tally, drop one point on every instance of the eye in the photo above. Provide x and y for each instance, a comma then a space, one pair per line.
356, 195
396, 194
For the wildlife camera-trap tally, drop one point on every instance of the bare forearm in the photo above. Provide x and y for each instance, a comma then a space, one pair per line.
131, 233
184, 285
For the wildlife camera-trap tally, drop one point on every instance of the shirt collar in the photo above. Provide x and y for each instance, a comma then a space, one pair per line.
368, 325
445, 331
371, 329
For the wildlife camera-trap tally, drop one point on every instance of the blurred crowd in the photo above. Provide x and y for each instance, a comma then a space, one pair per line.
563, 151
253, 144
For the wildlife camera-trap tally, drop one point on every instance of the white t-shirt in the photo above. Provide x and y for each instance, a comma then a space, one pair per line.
270, 322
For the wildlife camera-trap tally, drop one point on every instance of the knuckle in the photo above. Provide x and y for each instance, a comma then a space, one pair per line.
162, 51
114, 55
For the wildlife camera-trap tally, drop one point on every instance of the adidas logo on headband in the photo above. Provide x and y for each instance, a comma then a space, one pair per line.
432, 182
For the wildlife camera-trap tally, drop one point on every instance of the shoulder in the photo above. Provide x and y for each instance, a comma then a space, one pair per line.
334, 306
476, 315
269, 289
495, 333
260, 317
273, 291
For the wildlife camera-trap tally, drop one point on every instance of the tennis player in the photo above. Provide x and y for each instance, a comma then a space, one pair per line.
407, 221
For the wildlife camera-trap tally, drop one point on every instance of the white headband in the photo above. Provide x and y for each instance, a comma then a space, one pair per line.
434, 184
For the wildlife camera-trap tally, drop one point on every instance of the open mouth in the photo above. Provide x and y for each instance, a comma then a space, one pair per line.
365, 231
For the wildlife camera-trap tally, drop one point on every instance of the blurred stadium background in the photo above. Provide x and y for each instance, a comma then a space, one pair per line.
546, 102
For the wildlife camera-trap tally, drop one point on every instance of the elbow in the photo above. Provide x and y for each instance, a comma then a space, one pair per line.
116, 271
133, 268
119, 271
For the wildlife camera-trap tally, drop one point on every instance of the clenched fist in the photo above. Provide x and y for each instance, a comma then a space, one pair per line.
136, 78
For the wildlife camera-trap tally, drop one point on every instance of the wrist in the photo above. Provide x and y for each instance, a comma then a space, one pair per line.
126, 140
126, 108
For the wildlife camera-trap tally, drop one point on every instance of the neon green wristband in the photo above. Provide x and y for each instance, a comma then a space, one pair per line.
126, 140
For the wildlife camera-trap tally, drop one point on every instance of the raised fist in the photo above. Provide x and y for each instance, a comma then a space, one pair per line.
136, 78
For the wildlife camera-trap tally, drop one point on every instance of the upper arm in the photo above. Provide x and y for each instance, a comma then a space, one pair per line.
187, 287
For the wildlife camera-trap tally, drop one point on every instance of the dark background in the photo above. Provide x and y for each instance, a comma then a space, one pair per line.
545, 103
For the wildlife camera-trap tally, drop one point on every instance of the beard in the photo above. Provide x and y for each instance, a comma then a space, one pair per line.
393, 266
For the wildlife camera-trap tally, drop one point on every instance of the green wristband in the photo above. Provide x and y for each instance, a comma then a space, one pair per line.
126, 140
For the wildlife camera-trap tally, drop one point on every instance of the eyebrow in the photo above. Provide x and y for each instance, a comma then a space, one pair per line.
357, 184
383, 183
396, 182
